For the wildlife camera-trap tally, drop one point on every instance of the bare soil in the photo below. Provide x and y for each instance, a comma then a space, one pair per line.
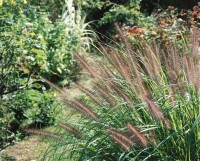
29, 149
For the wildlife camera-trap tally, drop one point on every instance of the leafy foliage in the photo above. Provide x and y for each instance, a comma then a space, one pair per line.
105, 13
23, 109
165, 26
41, 47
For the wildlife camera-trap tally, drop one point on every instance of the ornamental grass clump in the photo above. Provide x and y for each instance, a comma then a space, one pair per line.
144, 105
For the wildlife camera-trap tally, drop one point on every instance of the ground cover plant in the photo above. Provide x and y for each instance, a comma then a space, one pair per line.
144, 105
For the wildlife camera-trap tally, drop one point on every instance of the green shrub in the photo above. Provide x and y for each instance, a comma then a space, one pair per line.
105, 13
23, 109
39, 45
144, 105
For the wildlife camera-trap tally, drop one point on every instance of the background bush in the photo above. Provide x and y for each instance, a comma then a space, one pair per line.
165, 26
44, 48
104, 13
129, 12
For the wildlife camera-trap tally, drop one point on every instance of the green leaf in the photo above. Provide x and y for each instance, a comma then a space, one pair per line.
59, 70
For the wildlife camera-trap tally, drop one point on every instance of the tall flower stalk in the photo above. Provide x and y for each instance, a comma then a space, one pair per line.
144, 104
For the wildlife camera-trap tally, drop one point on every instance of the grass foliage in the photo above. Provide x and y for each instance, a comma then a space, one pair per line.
144, 105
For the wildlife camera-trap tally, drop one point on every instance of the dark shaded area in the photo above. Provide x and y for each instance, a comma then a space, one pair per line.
147, 6
181, 4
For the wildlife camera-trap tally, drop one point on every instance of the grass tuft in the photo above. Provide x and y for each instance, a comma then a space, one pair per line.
144, 103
